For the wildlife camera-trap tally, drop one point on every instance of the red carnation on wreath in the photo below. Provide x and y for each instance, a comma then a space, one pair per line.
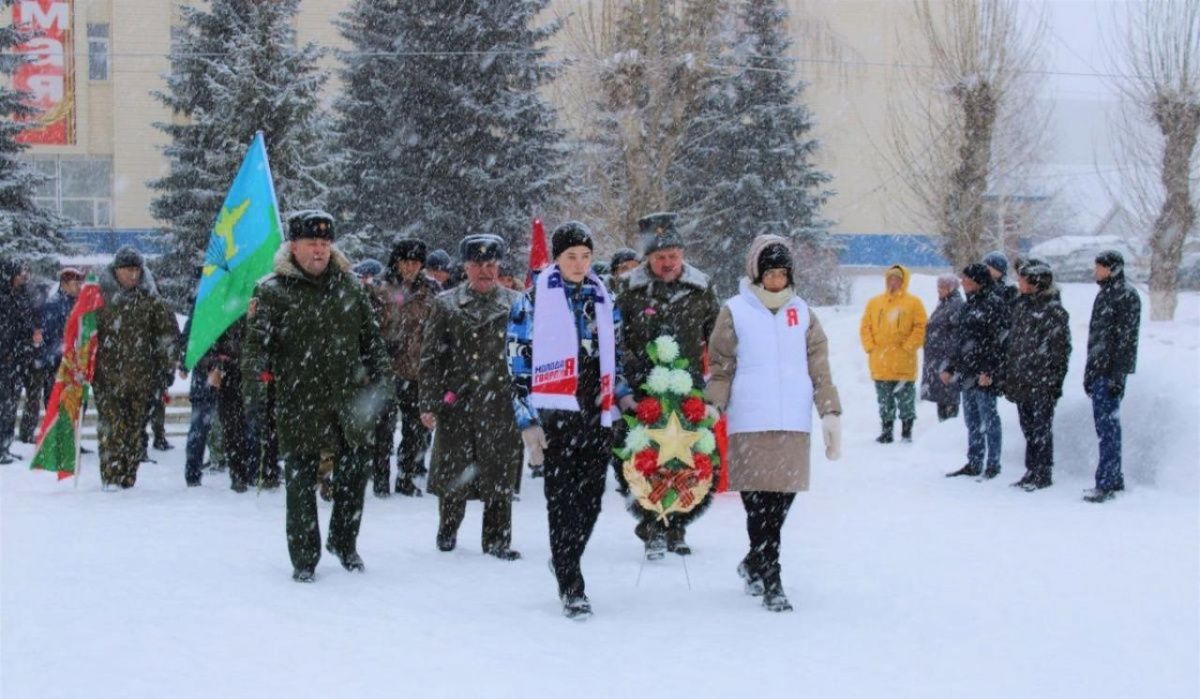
646, 462
693, 409
649, 411
703, 465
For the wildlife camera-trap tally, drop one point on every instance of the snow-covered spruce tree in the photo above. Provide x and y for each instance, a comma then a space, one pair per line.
236, 69
442, 118
746, 166
26, 230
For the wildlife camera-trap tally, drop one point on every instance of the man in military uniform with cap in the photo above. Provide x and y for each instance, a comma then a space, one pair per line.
664, 295
464, 391
314, 337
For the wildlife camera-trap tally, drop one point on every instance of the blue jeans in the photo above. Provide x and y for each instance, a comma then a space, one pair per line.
983, 428
204, 406
1106, 411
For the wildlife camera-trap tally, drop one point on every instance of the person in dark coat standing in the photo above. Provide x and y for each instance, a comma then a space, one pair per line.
664, 295
1039, 348
1111, 358
38, 372
313, 335
407, 300
563, 339
465, 393
977, 364
55, 313
18, 337
940, 334
135, 346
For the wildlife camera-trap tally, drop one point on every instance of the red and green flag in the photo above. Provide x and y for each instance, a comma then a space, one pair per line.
58, 437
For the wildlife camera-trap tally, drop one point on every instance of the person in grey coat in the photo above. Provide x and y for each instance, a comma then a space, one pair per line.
940, 335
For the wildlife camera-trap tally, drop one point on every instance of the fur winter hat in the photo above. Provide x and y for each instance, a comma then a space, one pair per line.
128, 256
69, 274
569, 235
1111, 259
482, 247
978, 273
438, 261
408, 250
368, 268
997, 261
658, 231
1038, 273
622, 256
310, 224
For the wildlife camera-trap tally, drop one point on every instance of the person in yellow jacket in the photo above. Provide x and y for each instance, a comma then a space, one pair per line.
892, 330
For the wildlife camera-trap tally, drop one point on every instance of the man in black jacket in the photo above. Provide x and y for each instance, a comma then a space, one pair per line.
1111, 357
978, 365
17, 342
1039, 347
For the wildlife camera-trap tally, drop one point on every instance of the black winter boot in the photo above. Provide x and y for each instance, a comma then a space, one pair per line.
906, 431
967, 470
750, 571
774, 599
885, 436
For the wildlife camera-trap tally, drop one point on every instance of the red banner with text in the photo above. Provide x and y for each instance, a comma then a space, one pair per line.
47, 76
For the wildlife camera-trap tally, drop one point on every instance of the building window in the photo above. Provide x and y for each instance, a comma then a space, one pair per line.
98, 55
78, 188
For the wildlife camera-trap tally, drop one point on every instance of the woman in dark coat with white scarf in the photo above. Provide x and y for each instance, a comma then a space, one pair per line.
770, 368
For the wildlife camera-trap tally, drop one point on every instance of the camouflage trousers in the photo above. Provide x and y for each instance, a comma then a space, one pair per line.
350, 473
122, 417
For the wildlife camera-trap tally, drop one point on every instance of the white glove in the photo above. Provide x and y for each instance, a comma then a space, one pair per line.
535, 443
831, 430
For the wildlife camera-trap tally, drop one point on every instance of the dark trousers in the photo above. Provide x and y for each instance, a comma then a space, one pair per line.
497, 520
414, 438
1037, 424
264, 448
10, 395
1106, 412
893, 395
946, 411
765, 514
204, 406
36, 394
577, 454
983, 428
303, 526
239, 452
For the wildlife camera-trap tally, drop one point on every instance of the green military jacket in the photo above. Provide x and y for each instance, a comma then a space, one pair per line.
464, 381
685, 309
136, 338
318, 341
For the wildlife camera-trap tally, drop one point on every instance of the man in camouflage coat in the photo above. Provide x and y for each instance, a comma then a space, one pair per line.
464, 390
136, 335
406, 300
664, 296
314, 338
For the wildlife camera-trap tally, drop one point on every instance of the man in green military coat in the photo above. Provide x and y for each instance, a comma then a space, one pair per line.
135, 340
664, 295
313, 336
464, 392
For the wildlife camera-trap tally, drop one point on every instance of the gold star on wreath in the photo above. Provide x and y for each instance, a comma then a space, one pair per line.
674, 442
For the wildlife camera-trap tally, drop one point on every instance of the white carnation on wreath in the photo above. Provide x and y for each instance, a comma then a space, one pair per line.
681, 382
638, 439
707, 443
667, 348
659, 380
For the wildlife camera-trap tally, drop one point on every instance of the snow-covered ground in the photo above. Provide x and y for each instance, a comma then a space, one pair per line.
906, 584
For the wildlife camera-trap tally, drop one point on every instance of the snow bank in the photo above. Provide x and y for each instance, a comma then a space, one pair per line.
906, 584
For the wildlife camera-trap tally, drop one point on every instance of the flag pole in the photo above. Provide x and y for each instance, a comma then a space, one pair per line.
79, 439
